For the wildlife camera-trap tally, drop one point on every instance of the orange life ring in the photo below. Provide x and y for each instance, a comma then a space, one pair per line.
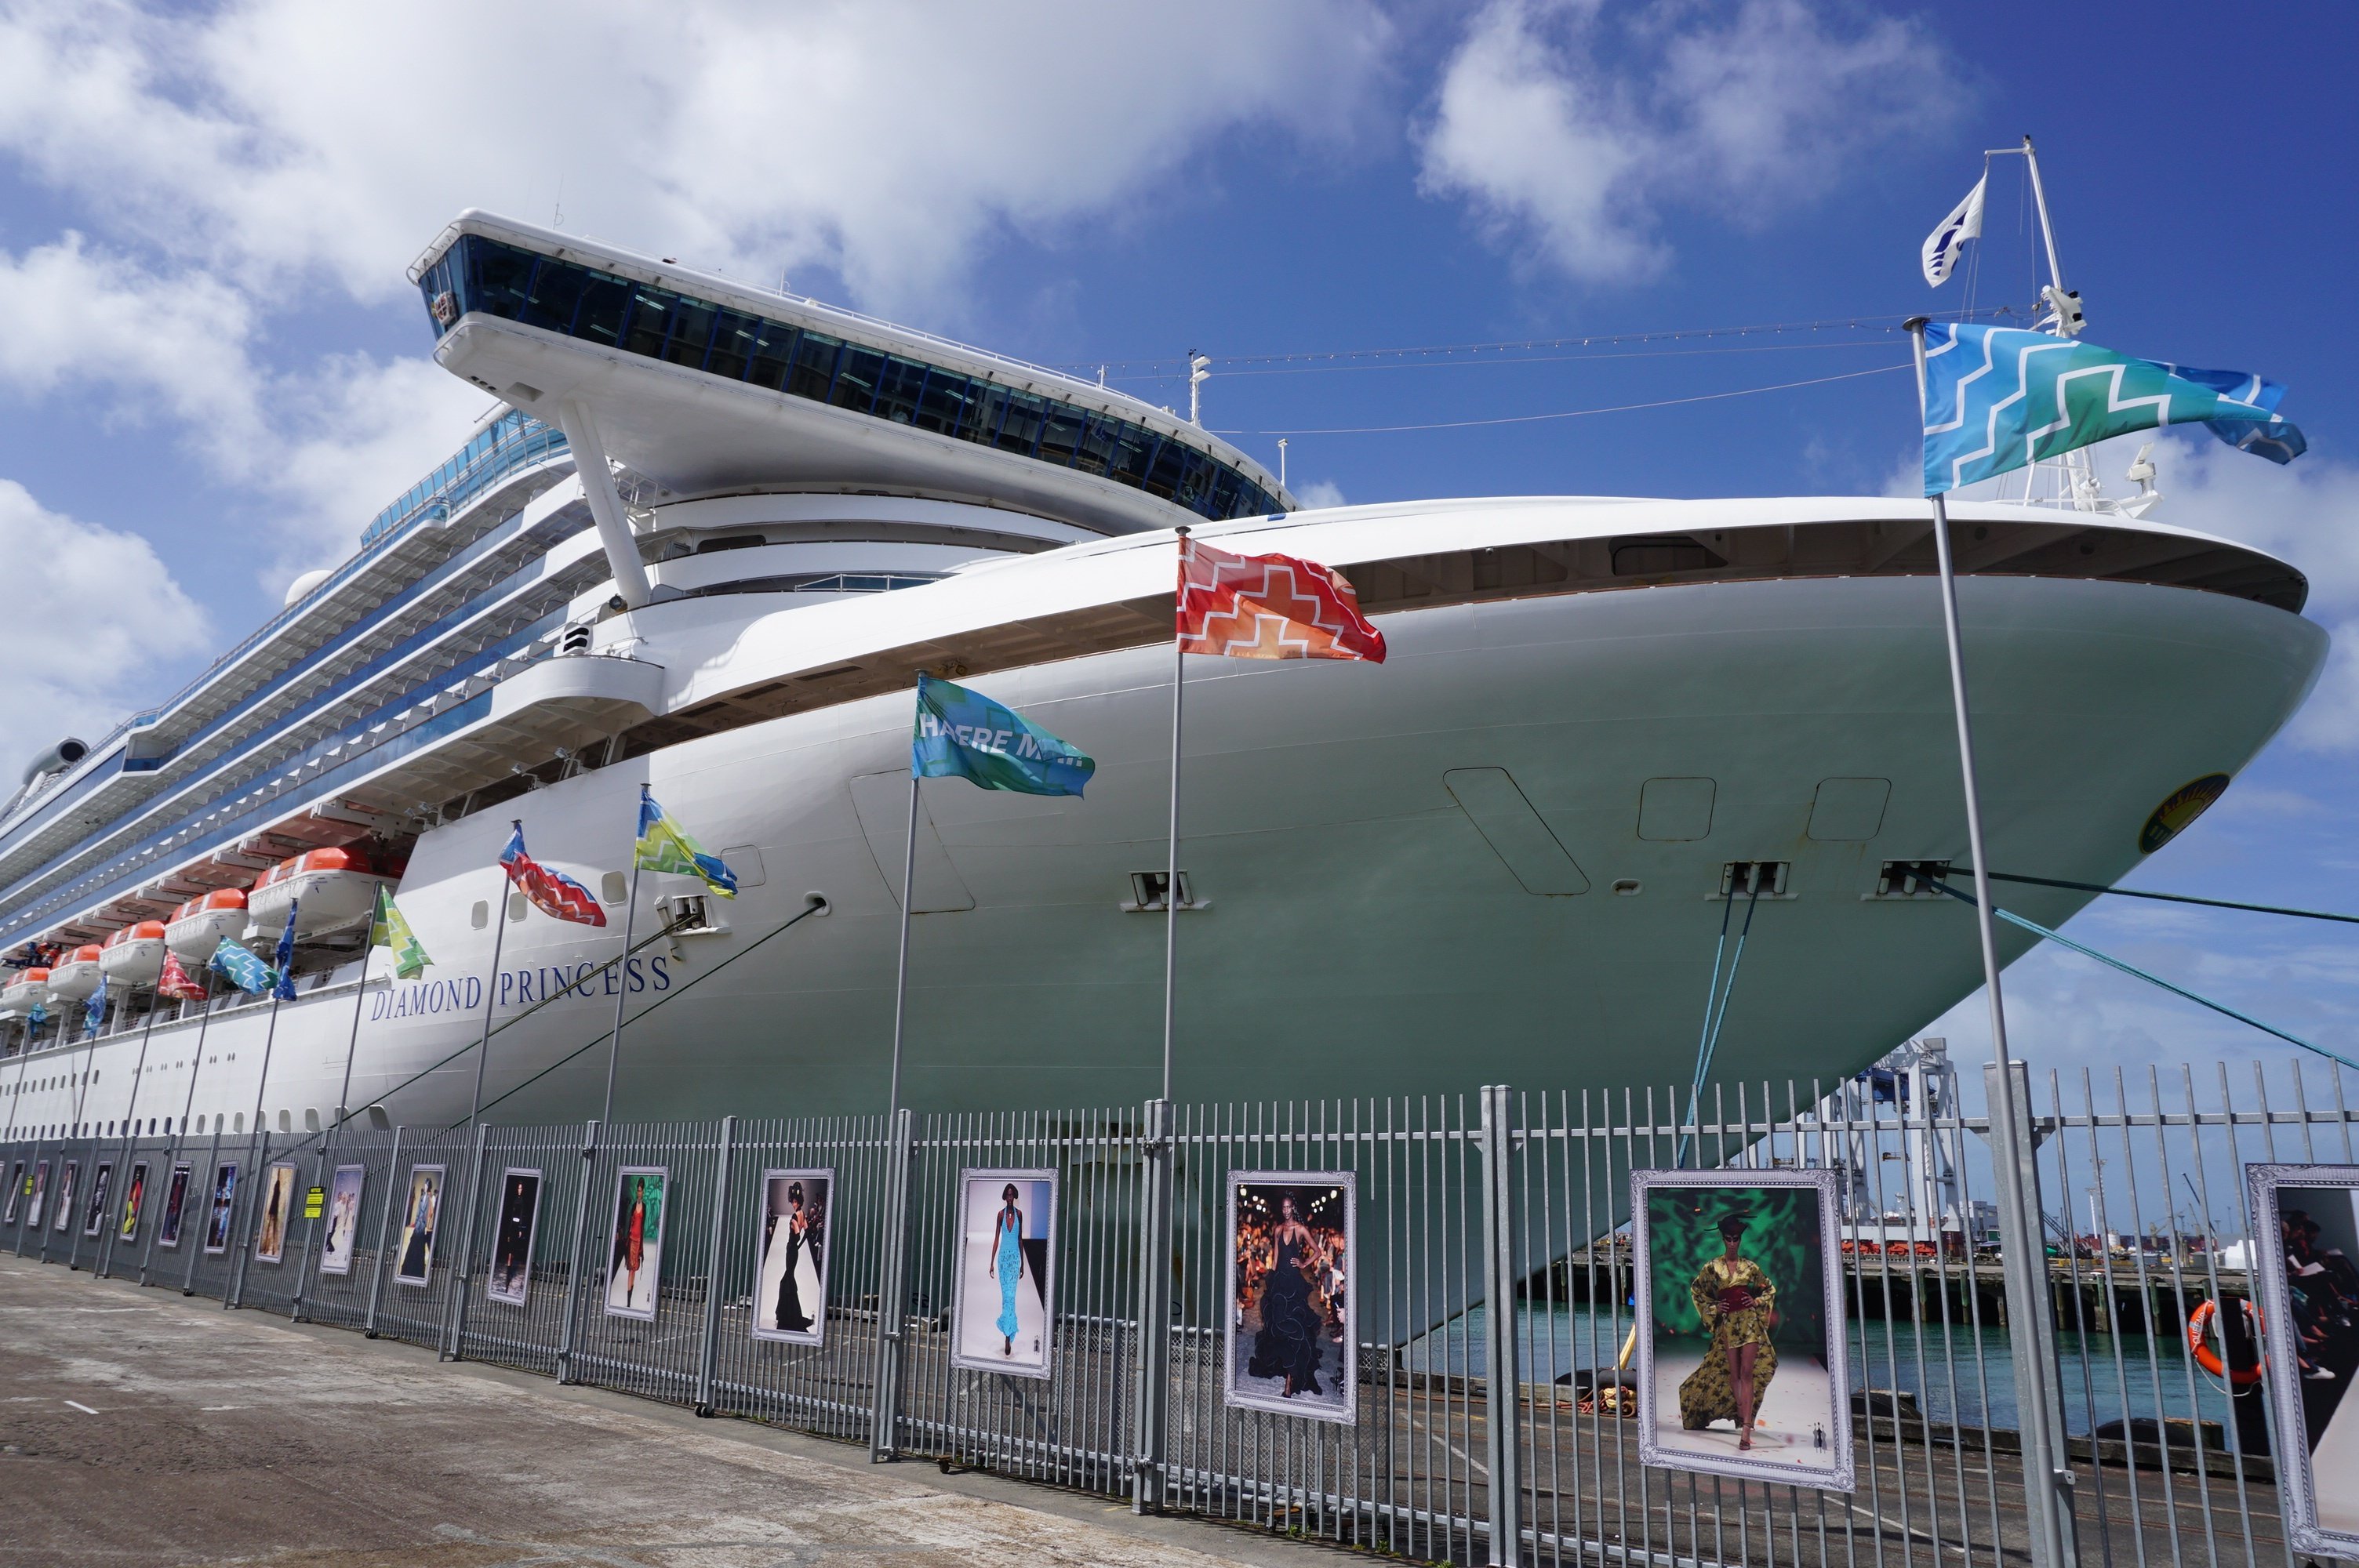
2198, 1343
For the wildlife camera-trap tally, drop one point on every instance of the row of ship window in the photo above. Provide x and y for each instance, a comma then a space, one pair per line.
517, 285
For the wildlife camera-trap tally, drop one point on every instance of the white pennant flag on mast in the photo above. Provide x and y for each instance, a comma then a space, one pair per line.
1965, 222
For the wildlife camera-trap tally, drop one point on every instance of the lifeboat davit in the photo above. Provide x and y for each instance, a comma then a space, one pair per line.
28, 989
197, 927
133, 955
326, 888
75, 976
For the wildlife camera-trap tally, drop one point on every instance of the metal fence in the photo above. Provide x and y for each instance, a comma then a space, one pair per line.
1489, 1312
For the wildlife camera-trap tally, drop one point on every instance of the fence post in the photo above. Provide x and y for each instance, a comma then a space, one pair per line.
574, 1268
1502, 1372
310, 1231
196, 1244
457, 1315
2031, 1322
705, 1351
383, 1228
247, 1224
892, 1293
1151, 1434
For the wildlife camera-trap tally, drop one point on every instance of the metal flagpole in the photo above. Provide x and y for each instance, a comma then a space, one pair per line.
352, 1046
2047, 1481
622, 979
492, 985
1172, 872
181, 1135
901, 971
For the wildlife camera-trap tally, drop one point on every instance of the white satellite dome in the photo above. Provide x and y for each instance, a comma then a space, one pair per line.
300, 589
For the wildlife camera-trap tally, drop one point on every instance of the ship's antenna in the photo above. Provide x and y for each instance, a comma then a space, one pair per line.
1199, 371
557, 213
1281, 462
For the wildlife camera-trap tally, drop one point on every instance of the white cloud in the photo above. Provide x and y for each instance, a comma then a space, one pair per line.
885, 142
1319, 494
127, 619
1566, 127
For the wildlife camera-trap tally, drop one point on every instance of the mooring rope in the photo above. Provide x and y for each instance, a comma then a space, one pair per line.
2163, 897
2132, 969
1717, 993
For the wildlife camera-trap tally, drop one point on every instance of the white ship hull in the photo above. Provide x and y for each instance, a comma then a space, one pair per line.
1361, 936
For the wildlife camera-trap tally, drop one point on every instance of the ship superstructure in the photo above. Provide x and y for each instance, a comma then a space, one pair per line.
709, 534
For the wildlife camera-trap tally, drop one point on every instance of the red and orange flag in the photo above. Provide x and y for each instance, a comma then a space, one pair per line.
1269, 607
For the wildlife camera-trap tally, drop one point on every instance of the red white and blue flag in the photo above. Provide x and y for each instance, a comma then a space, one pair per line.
552, 892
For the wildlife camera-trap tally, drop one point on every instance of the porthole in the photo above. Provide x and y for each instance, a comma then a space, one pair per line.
481, 915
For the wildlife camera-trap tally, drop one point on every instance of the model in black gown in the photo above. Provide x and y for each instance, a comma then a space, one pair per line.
1288, 1344
792, 1319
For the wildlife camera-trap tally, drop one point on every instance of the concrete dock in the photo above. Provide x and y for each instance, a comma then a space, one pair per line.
143, 1427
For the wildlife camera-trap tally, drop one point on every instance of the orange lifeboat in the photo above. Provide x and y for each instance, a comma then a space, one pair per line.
76, 975
133, 955
27, 991
197, 927
326, 888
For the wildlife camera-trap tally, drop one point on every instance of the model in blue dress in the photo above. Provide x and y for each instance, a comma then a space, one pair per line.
1007, 1264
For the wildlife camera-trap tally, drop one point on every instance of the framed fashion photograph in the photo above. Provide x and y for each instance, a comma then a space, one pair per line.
219, 1221
1291, 1243
421, 1222
1002, 1299
790, 1288
36, 1195
510, 1280
343, 1219
277, 1202
134, 1198
1740, 1359
2304, 1244
18, 1187
102, 1187
176, 1199
69, 1178
634, 1264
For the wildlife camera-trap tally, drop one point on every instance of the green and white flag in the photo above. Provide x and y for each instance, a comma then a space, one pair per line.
388, 929
665, 846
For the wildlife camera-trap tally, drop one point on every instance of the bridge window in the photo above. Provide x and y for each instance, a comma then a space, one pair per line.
519, 285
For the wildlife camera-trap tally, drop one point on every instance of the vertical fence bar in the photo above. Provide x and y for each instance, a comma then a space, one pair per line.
196, 1244
1503, 1376
892, 1293
1152, 1409
712, 1330
568, 1331
455, 1315
311, 1232
384, 1229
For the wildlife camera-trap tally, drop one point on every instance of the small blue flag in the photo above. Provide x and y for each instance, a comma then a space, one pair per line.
2000, 399
284, 988
93, 1011
39, 1016
240, 968
963, 734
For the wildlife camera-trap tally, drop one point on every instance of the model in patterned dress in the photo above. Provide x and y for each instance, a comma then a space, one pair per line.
1738, 1302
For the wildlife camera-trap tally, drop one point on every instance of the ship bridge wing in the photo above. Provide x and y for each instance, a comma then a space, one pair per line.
703, 386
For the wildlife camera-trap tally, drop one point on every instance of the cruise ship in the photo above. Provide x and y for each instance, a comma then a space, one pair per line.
709, 534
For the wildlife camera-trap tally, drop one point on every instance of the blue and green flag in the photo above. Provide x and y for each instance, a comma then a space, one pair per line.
242, 968
664, 846
963, 734
2000, 399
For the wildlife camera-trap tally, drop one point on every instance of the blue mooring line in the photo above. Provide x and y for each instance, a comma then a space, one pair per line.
2219, 1007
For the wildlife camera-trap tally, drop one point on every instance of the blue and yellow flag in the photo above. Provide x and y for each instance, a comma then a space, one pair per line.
664, 846
963, 734
2001, 398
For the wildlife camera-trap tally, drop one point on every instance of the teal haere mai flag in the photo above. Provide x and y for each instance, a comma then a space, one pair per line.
963, 734
2000, 399
242, 968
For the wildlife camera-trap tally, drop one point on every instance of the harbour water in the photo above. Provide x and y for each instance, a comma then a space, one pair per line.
1961, 1374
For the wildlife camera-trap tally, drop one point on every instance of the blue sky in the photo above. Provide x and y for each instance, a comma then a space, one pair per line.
213, 370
